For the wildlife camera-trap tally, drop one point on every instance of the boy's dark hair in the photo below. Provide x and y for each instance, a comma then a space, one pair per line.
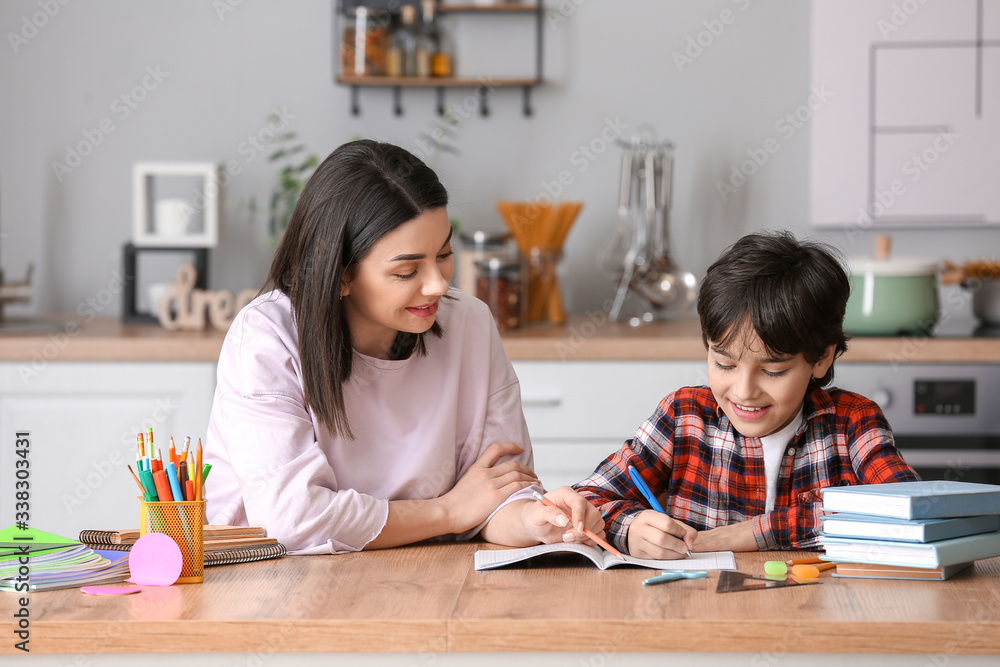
362, 191
793, 293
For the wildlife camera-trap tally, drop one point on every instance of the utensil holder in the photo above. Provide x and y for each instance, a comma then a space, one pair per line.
183, 522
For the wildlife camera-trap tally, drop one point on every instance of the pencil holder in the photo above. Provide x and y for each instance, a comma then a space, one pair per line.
183, 522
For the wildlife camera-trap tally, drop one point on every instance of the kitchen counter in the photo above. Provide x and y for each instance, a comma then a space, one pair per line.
427, 599
583, 338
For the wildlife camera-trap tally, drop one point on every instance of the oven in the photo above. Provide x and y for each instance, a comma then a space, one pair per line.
945, 417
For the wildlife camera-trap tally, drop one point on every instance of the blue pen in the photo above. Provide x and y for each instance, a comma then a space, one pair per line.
175, 483
674, 575
644, 490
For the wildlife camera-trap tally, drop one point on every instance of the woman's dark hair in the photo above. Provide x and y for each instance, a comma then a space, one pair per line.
793, 293
362, 191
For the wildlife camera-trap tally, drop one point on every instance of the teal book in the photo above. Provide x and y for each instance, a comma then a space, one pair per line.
931, 554
842, 524
932, 499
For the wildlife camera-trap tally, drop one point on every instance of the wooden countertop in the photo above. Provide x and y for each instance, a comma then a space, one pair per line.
428, 598
583, 338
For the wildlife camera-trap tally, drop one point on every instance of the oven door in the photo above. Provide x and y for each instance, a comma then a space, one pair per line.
945, 417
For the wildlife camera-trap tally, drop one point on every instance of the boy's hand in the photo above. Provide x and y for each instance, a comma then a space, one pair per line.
559, 524
656, 535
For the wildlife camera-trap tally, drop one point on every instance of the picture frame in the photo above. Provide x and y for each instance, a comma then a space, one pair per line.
175, 204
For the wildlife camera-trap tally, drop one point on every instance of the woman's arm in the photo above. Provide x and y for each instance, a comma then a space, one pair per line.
479, 491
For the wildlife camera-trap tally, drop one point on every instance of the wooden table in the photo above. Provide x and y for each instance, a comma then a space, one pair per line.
428, 599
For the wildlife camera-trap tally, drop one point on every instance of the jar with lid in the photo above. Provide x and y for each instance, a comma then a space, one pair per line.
476, 247
500, 285
364, 42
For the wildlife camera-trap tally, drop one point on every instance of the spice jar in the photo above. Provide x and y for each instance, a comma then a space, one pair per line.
500, 285
364, 43
477, 247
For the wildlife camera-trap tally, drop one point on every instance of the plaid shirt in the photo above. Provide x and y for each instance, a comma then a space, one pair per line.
707, 475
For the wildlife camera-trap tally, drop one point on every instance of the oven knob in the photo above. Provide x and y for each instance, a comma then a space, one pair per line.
882, 397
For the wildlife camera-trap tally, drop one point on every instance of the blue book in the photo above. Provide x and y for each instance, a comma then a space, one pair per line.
933, 499
841, 524
931, 554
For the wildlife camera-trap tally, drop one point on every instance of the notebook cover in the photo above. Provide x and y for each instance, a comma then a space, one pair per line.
914, 500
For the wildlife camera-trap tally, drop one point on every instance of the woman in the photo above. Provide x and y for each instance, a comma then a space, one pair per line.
361, 403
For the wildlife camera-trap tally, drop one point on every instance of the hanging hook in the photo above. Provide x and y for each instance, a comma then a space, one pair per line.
484, 108
397, 98
355, 105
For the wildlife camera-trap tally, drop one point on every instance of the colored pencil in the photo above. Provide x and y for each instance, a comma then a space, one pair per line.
582, 529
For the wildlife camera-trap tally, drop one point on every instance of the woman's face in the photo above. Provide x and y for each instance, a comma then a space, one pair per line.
399, 285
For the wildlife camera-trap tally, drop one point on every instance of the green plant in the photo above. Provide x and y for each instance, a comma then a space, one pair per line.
295, 170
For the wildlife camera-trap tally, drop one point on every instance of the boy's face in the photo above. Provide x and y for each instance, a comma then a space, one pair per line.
760, 394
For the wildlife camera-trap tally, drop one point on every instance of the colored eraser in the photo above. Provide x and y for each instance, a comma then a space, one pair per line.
805, 571
775, 567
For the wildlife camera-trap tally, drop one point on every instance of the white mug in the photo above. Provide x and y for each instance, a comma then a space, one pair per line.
172, 217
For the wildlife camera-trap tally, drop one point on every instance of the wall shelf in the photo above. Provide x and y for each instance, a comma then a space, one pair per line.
483, 85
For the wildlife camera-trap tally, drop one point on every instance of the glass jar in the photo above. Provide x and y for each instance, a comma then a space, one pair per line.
500, 285
364, 43
479, 246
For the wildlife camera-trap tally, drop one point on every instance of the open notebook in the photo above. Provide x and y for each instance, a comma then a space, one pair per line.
713, 560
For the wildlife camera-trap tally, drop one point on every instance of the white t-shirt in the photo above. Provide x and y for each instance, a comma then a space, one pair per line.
419, 424
774, 446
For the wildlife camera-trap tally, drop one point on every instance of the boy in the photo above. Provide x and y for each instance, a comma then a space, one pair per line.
738, 465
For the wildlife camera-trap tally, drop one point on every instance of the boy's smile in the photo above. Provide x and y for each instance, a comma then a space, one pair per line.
759, 392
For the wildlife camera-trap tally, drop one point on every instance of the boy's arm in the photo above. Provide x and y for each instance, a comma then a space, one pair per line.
874, 460
610, 488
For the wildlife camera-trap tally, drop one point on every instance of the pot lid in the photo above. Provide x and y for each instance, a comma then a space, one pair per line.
911, 266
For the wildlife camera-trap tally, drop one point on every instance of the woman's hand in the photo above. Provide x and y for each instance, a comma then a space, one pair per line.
561, 523
655, 535
484, 486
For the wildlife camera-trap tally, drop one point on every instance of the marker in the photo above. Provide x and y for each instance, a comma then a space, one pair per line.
580, 528
175, 483
162, 486
149, 484
647, 493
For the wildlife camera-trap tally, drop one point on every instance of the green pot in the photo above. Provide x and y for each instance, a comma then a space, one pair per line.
892, 297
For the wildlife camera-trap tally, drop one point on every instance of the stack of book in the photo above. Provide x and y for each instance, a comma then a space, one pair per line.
910, 530
33, 560
224, 545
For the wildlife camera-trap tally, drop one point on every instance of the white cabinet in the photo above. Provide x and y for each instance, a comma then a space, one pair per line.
579, 412
82, 418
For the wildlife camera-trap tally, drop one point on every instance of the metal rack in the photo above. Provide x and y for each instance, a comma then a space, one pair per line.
440, 84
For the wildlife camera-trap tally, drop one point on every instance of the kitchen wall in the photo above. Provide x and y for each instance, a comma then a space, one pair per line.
198, 79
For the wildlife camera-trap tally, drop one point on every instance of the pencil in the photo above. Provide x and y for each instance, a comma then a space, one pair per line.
184, 449
198, 476
144, 494
172, 452
582, 529
804, 561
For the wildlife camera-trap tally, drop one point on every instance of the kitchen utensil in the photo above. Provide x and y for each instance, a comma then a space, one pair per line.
639, 257
986, 301
730, 581
891, 296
